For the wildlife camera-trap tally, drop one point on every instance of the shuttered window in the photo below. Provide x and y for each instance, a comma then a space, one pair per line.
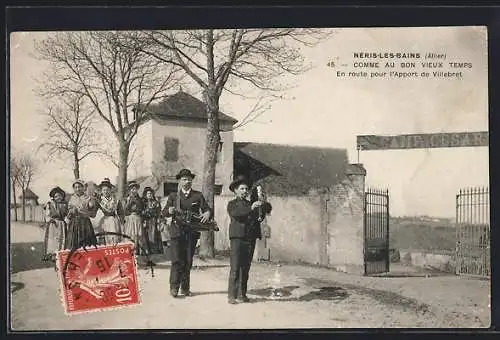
220, 156
171, 149
169, 187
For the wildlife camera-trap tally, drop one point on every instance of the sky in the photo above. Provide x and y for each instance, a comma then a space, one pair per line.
327, 111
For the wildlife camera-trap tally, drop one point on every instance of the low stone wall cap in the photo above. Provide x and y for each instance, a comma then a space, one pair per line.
355, 169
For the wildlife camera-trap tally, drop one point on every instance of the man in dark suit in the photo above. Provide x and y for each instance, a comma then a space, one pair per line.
182, 239
244, 229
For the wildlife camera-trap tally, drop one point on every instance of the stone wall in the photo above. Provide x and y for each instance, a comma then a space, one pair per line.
324, 227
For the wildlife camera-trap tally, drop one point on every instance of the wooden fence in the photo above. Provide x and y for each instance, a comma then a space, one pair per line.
34, 213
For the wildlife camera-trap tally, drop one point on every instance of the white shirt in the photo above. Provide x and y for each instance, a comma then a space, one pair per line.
186, 193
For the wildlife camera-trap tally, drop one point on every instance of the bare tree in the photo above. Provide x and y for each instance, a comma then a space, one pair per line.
70, 131
107, 153
216, 59
23, 169
14, 176
110, 70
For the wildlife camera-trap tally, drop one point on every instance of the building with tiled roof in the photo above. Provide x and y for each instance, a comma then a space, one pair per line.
289, 169
30, 197
175, 137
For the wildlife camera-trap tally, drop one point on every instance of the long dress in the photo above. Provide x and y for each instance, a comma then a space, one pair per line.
80, 232
110, 222
151, 240
133, 222
55, 233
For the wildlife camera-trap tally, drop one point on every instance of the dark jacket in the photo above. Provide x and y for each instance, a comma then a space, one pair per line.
133, 204
194, 202
244, 221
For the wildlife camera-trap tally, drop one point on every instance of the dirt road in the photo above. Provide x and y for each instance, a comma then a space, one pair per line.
308, 298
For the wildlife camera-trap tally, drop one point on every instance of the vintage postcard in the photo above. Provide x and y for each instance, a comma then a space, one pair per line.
250, 178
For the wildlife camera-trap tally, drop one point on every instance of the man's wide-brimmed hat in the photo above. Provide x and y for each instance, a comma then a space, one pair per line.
132, 184
78, 181
184, 173
106, 183
56, 190
237, 181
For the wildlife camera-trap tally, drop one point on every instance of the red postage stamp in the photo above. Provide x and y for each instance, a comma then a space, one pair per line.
100, 278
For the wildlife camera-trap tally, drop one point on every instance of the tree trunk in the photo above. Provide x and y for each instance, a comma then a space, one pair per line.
24, 205
207, 244
122, 169
76, 169
15, 200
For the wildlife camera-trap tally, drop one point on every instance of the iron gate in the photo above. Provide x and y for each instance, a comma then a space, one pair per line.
473, 232
376, 231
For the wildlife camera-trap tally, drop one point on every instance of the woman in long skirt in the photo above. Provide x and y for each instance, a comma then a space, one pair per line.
111, 209
55, 233
133, 221
151, 234
82, 206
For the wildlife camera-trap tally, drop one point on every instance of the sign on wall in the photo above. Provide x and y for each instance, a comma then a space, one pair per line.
423, 141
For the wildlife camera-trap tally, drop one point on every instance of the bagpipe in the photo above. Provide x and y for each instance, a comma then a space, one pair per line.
261, 197
192, 220
257, 193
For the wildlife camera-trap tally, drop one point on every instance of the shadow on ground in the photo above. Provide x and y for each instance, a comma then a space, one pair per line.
15, 286
143, 265
220, 292
388, 298
27, 256
284, 294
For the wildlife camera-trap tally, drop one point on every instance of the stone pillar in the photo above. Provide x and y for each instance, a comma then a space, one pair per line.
323, 211
345, 227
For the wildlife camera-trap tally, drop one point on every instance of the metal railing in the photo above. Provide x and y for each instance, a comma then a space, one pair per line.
376, 231
473, 232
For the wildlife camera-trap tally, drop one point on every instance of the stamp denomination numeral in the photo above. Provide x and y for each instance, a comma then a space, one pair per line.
123, 295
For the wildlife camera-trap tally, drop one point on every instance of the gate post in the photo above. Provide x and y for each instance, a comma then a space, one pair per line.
323, 217
345, 222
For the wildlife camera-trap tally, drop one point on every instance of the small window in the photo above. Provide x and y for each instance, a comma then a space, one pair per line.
169, 187
220, 154
217, 189
171, 149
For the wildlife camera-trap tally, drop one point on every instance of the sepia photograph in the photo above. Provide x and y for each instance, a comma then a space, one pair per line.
249, 178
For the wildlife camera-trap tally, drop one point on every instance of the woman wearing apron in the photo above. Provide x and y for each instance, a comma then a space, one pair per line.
55, 233
133, 209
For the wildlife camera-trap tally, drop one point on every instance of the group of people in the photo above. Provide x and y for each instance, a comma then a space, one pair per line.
70, 224
142, 220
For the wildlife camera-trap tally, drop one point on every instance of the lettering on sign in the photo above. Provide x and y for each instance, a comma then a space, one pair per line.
423, 141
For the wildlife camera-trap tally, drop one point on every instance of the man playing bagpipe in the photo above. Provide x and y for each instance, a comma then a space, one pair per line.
189, 213
244, 229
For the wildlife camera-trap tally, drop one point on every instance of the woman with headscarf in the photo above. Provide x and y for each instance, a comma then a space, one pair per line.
55, 232
82, 206
111, 209
151, 237
133, 209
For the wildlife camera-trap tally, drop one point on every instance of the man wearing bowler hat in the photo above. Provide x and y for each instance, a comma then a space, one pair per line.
183, 240
244, 229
